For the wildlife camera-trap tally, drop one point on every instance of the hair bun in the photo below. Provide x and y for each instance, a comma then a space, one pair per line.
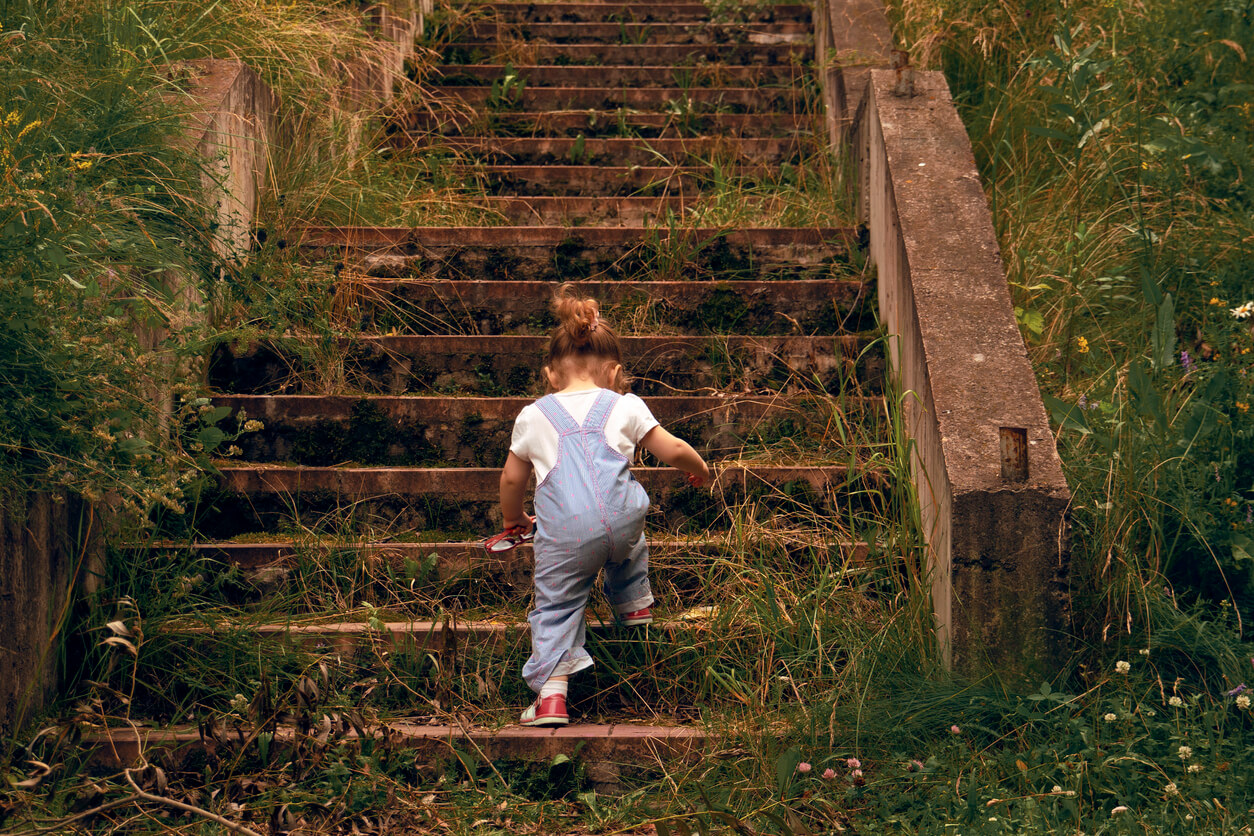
577, 316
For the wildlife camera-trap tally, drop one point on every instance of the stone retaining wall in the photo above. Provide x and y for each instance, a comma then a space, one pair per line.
993, 499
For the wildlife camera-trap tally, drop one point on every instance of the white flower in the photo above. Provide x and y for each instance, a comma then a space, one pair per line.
1243, 311
1175, 702
1118, 810
1122, 666
1110, 718
1056, 788
1171, 789
1195, 767
1185, 752
1144, 651
1243, 701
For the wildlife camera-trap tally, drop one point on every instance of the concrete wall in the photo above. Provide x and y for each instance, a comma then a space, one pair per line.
997, 541
44, 547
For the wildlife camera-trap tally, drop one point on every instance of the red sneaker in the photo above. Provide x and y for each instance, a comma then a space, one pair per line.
550, 711
637, 618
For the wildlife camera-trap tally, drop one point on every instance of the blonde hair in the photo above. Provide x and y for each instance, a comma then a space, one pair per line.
583, 338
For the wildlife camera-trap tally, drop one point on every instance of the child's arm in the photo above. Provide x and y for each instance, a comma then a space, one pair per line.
514, 478
676, 452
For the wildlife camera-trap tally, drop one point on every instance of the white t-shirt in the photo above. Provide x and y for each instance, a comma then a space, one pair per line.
535, 439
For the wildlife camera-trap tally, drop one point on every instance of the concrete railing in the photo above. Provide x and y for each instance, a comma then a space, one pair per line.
992, 496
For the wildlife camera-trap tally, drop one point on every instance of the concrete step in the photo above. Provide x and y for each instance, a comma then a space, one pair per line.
253, 499
607, 123
637, 12
695, 307
480, 68
616, 746
510, 365
557, 254
693, 100
475, 432
691, 32
621, 151
591, 181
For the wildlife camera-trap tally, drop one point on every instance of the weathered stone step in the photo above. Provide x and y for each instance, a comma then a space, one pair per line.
329, 430
582, 211
592, 180
556, 253
260, 498
696, 307
697, 100
483, 72
510, 365
619, 122
691, 32
620, 745
637, 12
623, 151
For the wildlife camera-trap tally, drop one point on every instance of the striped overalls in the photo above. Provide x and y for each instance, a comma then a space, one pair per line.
589, 515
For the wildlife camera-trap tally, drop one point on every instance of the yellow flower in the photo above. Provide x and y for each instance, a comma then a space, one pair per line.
30, 126
12, 118
1214, 300
1082, 345
1242, 406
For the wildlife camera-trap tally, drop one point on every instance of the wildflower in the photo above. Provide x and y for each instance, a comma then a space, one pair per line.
803, 767
1186, 362
238, 703
1175, 702
12, 118
1118, 810
856, 774
30, 126
1144, 651
253, 425
916, 766
1242, 406
1056, 788
1185, 752
1110, 717
233, 450
854, 763
955, 730
829, 774
1240, 312
1122, 666
1171, 788
1214, 300
1195, 768
1082, 345
1243, 701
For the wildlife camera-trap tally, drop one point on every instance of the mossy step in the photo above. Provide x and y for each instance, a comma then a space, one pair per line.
619, 151
593, 180
325, 430
695, 307
620, 745
595, 66
558, 254
605, 123
668, 97
647, 12
673, 32
327, 501
510, 365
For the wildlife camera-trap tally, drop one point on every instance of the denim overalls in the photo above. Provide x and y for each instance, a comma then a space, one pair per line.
589, 514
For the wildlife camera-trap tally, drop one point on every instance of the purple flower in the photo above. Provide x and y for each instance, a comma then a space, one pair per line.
1083, 402
1186, 362
1239, 689
853, 763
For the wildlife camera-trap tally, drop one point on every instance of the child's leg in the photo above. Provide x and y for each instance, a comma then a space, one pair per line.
627, 580
563, 583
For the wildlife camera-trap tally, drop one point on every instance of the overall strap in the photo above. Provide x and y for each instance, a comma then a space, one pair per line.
551, 408
600, 412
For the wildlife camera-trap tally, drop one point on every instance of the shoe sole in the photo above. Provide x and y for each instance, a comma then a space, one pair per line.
635, 622
546, 721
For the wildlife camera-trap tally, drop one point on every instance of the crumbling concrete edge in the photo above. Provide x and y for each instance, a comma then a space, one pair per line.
997, 538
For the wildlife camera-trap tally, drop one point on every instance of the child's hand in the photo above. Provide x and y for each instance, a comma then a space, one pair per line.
698, 480
524, 522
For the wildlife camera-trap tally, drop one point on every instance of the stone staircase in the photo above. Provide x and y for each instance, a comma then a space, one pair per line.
602, 135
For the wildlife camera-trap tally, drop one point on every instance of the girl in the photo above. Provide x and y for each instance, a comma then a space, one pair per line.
590, 512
